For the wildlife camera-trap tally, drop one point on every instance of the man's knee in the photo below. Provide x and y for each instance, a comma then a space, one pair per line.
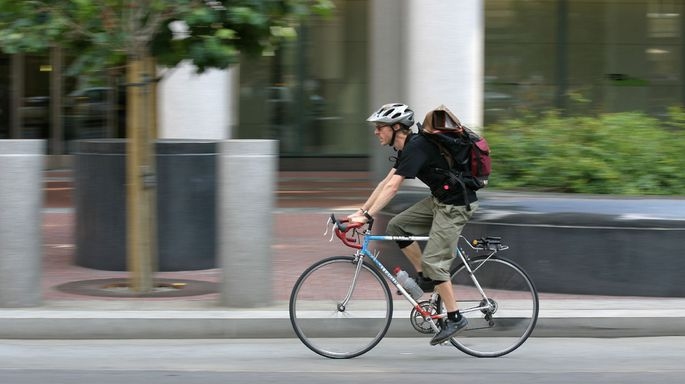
394, 229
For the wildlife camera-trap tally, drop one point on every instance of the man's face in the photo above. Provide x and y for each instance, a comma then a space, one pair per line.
384, 133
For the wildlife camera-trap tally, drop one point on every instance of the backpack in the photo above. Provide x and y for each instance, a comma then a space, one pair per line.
466, 152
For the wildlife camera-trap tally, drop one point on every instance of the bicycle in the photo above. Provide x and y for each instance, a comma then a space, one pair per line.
341, 307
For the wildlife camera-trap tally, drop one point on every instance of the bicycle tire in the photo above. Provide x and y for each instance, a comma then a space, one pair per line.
327, 329
499, 331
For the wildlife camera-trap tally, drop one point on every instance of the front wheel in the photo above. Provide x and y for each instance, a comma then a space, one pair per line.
502, 320
340, 308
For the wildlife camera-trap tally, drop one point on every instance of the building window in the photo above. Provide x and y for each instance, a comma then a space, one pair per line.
582, 57
311, 94
5, 96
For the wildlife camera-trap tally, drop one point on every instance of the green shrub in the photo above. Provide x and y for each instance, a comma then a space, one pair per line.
621, 153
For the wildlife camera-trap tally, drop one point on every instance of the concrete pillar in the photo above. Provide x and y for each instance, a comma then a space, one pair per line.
198, 106
424, 60
246, 199
21, 202
444, 58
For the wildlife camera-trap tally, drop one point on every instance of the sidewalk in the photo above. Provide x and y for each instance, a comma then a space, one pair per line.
304, 201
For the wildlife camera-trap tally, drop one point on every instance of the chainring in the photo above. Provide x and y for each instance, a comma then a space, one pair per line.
418, 322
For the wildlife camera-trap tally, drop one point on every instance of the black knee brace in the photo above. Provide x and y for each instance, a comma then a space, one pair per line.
403, 243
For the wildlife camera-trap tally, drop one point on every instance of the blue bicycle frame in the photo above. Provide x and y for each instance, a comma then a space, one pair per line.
363, 251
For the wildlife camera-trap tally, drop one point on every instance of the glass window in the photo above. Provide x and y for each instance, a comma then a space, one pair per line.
520, 44
94, 105
583, 56
5, 95
35, 104
311, 94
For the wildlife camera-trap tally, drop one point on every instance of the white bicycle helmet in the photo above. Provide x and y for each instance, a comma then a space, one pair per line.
393, 113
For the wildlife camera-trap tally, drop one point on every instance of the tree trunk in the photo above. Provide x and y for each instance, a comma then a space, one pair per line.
140, 174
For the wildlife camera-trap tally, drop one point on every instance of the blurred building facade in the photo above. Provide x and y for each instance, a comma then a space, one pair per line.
486, 59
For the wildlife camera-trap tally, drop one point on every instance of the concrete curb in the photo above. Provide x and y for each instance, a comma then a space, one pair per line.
188, 320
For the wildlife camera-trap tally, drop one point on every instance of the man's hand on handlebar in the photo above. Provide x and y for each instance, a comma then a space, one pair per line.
358, 219
361, 216
359, 212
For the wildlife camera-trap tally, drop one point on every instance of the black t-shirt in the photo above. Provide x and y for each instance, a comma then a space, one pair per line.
419, 159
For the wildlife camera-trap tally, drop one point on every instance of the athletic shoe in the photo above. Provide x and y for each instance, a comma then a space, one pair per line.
449, 329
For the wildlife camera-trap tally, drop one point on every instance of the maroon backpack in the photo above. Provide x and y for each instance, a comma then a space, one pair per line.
466, 152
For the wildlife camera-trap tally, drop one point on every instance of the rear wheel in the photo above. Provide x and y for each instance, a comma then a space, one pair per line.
340, 308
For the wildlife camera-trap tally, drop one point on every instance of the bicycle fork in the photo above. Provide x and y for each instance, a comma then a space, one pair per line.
359, 261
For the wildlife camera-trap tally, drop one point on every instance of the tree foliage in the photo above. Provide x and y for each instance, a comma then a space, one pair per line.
104, 32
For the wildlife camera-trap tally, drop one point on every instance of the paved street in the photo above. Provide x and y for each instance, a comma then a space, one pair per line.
540, 360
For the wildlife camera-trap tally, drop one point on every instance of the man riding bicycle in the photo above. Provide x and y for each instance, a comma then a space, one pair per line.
442, 215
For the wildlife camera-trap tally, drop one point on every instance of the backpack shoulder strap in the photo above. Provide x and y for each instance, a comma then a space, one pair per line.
444, 152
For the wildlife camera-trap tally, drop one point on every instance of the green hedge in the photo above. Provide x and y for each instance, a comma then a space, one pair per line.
620, 153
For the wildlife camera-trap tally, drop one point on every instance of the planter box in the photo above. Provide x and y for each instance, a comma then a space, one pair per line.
186, 204
577, 244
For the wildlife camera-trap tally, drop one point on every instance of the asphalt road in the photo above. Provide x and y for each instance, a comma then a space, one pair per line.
403, 360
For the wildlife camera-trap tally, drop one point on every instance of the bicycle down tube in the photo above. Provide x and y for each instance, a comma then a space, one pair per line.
365, 250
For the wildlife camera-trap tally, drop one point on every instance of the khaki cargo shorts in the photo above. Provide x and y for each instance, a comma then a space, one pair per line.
443, 223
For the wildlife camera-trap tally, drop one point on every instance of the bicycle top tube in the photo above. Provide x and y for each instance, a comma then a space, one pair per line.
360, 238
396, 238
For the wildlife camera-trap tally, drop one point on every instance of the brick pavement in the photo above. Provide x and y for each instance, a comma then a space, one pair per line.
304, 200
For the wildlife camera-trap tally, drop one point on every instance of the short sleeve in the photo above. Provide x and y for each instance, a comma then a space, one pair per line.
411, 160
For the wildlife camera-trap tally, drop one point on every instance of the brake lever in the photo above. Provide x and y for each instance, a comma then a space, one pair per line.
325, 232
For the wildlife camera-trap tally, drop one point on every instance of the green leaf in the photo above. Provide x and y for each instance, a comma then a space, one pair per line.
225, 33
100, 30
